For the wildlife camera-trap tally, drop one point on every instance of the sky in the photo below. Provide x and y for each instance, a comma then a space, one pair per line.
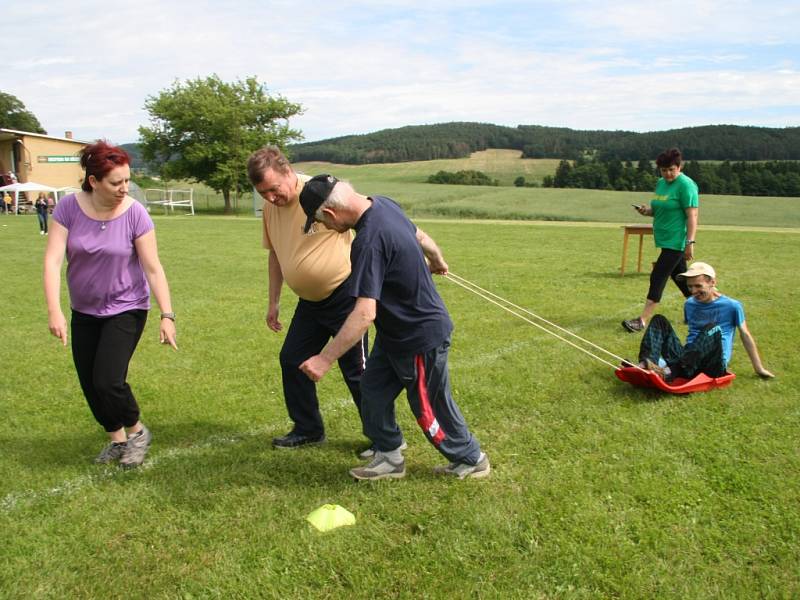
355, 67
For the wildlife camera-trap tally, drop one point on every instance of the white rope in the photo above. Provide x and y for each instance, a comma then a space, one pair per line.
505, 304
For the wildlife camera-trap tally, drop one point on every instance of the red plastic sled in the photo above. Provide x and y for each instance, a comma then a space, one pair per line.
700, 383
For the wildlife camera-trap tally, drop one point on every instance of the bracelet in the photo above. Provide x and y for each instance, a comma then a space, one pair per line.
689, 242
169, 315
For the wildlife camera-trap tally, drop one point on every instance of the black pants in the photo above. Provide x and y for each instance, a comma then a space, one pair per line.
313, 324
102, 348
668, 265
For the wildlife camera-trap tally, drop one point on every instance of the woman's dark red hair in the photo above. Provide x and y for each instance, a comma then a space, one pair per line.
99, 158
669, 158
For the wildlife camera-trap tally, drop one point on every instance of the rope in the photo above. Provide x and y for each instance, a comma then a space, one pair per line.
505, 304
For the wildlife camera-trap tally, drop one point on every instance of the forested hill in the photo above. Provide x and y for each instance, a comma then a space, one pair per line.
458, 140
135, 152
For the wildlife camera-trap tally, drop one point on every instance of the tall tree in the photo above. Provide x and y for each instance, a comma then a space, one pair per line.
14, 115
563, 177
205, 129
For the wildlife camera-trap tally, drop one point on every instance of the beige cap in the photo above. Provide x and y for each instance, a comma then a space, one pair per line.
699, 268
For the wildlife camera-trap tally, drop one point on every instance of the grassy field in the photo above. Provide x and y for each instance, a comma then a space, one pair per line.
599, 490
405, 182
503, 165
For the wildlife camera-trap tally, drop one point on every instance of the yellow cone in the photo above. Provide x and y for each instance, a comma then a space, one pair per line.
330, 516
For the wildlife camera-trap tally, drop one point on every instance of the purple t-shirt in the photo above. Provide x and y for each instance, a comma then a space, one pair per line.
103, 271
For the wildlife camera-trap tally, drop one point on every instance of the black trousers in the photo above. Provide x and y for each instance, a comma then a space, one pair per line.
313, 324
102, 348
668, 265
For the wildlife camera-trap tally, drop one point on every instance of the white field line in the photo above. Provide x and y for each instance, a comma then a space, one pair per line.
23, 499
514, 222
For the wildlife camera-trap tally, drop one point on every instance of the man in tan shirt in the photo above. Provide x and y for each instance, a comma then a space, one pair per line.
316, 266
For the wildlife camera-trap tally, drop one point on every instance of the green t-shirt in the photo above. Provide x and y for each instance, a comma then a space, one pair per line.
669, 211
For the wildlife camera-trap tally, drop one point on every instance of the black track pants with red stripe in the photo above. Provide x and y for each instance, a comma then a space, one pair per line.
426, 380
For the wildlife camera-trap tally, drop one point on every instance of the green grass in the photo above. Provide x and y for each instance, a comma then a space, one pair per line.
599, 490
406, 183
503, 165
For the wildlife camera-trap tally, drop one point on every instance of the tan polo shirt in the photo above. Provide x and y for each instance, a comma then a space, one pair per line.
313, 264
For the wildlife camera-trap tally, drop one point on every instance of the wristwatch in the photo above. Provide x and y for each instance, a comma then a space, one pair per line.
170, 316
689, 242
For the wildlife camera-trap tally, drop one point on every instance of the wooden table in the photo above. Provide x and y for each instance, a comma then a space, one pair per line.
641, 231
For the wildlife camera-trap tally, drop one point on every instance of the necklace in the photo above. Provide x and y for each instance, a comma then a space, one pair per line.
97, 211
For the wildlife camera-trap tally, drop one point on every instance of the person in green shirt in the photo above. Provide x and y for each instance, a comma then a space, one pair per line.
674, 211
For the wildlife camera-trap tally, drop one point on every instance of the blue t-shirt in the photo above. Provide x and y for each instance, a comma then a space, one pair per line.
388, 265
725, 313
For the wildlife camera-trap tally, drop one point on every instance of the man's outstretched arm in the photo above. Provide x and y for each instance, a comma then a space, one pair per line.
752, 351
354, 328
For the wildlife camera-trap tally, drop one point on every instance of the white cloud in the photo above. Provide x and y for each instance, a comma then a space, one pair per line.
40, 62
359, 67
675, 24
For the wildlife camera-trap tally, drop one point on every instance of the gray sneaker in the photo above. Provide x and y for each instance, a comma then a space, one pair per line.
136, 448
463, 470
370, 452
111, 453
379, 468
633, 325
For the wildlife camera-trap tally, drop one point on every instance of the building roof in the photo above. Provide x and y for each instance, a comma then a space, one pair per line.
7, 134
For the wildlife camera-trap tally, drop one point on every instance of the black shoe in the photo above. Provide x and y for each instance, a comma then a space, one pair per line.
295, 440
633, 325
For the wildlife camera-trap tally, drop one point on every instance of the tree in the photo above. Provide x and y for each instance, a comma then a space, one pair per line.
14, 115
205, 129
563, 177
644, 166
467, 177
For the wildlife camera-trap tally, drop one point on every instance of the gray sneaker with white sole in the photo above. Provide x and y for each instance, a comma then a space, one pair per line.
136, 448
464, 471
379, 468
110, 453
370, 452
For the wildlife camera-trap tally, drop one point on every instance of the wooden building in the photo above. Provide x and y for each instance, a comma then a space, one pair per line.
44, 159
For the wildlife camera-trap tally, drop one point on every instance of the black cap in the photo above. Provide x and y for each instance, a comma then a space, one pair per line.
315, 191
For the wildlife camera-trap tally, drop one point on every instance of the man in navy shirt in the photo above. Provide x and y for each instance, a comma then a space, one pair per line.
713, 319
393, 288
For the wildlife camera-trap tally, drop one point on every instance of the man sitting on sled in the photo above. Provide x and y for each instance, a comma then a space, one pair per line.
712, 319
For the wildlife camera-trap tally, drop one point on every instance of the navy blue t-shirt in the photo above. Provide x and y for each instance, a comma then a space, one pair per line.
388, 265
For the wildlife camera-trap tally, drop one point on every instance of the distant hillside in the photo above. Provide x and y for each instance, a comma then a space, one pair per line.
137, 164
459, 139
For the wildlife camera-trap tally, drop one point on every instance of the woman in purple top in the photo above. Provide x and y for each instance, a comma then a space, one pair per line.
112, 264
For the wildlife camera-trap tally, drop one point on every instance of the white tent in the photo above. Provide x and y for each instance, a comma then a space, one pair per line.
63, 191
29, 186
